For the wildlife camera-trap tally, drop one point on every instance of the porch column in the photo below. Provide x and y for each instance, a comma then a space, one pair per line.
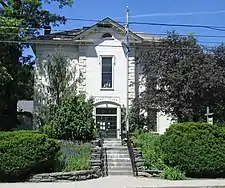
118, 122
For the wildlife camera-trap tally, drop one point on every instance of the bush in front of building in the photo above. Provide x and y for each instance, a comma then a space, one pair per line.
150, 147
72, 120
198, 149
172, 173
24, 153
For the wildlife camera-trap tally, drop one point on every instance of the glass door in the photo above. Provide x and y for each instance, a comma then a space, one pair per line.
107, 122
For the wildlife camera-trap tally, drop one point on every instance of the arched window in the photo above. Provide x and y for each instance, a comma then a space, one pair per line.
107, 35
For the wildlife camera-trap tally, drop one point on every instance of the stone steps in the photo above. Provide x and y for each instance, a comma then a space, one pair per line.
113, 163
112, 143
126, 168
120, 172
120, 155
117, 148
118, 158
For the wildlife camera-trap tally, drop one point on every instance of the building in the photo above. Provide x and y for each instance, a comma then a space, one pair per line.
98, 52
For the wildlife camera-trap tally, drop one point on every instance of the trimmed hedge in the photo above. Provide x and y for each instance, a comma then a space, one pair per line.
198, 149
24, 153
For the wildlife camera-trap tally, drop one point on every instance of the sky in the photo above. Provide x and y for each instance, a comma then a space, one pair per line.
163, 11
195, 12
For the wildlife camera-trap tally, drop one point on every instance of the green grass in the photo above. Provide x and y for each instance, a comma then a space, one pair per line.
173, 174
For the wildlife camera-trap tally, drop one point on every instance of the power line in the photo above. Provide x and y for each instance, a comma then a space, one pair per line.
212, 27
174, 14
71, 35
65, 33
155, 24
195, 35
218, 28
115, 46
86, 20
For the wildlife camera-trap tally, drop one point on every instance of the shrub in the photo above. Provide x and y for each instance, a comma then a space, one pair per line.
150, 147
173, 174
198, 149
23, 153
73, 120
76, 157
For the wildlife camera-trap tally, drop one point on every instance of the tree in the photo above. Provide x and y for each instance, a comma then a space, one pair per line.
137, 118
61, 78
72, 120
19, 21
4, 80
9, 64
182, 78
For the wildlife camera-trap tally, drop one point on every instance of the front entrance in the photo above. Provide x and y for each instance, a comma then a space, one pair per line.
106, 120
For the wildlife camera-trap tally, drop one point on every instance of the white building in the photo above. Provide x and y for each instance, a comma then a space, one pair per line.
98, 52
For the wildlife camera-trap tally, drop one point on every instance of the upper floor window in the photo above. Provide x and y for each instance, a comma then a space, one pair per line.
107, 35
107, 72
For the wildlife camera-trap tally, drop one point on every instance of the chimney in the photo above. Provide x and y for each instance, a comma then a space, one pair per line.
47, 30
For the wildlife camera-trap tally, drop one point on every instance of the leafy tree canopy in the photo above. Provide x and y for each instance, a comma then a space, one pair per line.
183, 78
20, 20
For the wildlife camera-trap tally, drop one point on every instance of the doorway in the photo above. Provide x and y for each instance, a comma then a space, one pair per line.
106, 121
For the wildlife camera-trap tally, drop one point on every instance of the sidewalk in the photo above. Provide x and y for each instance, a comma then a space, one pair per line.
122, 182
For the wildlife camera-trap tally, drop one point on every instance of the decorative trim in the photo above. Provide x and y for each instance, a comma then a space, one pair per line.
106, 89
98, 99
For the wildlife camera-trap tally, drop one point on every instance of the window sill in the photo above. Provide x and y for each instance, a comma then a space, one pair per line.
106, 89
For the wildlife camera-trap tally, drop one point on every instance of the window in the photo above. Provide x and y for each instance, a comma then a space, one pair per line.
107, 72
106, 111
107, 35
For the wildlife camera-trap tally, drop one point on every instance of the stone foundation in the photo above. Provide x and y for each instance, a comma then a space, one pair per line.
67, 176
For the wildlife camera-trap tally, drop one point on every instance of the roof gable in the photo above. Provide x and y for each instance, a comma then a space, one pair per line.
107, 23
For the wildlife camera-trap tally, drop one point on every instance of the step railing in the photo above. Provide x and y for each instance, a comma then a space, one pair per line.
131, 154
106, 162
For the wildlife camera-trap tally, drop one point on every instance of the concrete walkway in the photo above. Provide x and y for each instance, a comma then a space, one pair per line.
121, 182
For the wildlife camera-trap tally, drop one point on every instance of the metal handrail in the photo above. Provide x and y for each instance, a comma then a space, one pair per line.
102, 156
106, 162
131, 153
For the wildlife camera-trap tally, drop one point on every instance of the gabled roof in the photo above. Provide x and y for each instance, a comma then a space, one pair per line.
63, 35
108, 22
79, 34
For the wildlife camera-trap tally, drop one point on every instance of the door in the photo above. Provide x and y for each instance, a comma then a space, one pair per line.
106, 120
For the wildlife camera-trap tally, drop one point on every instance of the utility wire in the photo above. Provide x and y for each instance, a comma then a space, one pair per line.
97, 32
101, 45
62, 32
156, 24
213, 27
174, 14
153, 40
218, 28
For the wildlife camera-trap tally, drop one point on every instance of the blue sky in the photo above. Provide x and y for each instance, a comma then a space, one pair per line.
170, 9
99, 9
